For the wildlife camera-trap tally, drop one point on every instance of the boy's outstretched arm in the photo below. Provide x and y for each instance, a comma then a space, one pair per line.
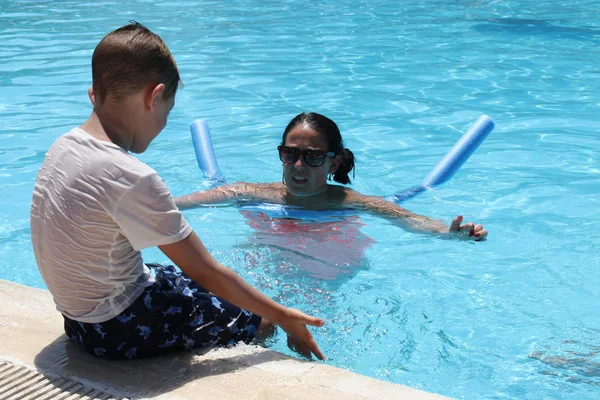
195, 261
414, 222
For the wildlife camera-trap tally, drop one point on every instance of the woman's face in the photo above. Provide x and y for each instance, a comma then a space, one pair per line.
302, 179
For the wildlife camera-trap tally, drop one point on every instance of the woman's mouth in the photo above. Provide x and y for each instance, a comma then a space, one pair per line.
299, 179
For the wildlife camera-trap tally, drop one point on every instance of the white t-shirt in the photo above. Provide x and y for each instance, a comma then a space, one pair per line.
95, 206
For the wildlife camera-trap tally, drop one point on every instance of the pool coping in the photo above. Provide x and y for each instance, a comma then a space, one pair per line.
31, 332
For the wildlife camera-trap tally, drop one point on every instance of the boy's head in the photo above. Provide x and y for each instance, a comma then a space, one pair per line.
129, 59
135, 79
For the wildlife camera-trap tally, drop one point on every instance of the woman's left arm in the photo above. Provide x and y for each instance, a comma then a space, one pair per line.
414, 222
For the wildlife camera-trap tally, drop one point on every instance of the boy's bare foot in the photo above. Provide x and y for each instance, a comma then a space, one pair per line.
266, 330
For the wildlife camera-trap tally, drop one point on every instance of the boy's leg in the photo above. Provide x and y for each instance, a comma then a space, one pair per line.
216, 322
172, 314
265, 331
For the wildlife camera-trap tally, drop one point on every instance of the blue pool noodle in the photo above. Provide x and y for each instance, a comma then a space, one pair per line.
453, 160
205, 154
442, 172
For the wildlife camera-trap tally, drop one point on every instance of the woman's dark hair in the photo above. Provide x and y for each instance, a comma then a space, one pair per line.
331, 133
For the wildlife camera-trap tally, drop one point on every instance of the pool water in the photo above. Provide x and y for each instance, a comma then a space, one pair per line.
514, 317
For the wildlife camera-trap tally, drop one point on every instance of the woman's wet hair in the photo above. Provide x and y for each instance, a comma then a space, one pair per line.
128, 59
331, 133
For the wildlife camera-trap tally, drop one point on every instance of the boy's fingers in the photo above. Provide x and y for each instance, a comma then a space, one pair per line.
313, 321
303, 340
305, 348
314, 348
304, 319
299, 347
310, 344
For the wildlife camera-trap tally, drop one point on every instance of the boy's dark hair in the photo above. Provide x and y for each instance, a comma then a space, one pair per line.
331, 133
130, 58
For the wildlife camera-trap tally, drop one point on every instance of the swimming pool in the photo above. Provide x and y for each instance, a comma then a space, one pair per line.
514, 317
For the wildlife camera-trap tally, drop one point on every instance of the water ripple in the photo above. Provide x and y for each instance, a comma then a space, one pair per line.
514, 317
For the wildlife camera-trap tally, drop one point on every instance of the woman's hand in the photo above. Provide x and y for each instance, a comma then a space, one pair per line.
467, 231
300, 339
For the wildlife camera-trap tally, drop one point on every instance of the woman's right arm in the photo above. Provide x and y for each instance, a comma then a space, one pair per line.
217, 195
238, 192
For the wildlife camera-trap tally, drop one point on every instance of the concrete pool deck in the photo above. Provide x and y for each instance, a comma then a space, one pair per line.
32, 342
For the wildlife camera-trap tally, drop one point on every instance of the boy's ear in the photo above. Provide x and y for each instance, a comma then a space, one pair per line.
92, 96
153, 94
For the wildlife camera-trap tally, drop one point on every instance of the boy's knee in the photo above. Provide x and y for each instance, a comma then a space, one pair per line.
266, 330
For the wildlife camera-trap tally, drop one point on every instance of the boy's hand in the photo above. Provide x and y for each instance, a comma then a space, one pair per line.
300, 339
467, 231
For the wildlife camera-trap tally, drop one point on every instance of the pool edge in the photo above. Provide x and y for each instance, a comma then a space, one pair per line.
32, 335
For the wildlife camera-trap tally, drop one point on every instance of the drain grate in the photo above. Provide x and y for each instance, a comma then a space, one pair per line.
22, 383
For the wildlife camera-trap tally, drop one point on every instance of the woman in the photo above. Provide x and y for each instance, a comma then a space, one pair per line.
312, 152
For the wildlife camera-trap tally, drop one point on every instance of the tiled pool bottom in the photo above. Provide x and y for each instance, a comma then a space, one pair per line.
32, 337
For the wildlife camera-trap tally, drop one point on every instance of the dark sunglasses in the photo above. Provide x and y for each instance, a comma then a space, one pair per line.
314, 158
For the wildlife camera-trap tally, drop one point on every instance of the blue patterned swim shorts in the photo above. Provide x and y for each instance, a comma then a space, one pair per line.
175, 313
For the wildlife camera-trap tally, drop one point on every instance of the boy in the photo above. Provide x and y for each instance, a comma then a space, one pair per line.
95, 207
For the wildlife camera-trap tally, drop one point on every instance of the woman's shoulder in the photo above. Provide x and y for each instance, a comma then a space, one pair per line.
342, 194
348, 197
343, 191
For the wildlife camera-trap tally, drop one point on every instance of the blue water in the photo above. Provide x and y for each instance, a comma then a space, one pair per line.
515, 317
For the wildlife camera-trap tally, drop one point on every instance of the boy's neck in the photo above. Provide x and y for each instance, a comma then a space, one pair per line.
107, 125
